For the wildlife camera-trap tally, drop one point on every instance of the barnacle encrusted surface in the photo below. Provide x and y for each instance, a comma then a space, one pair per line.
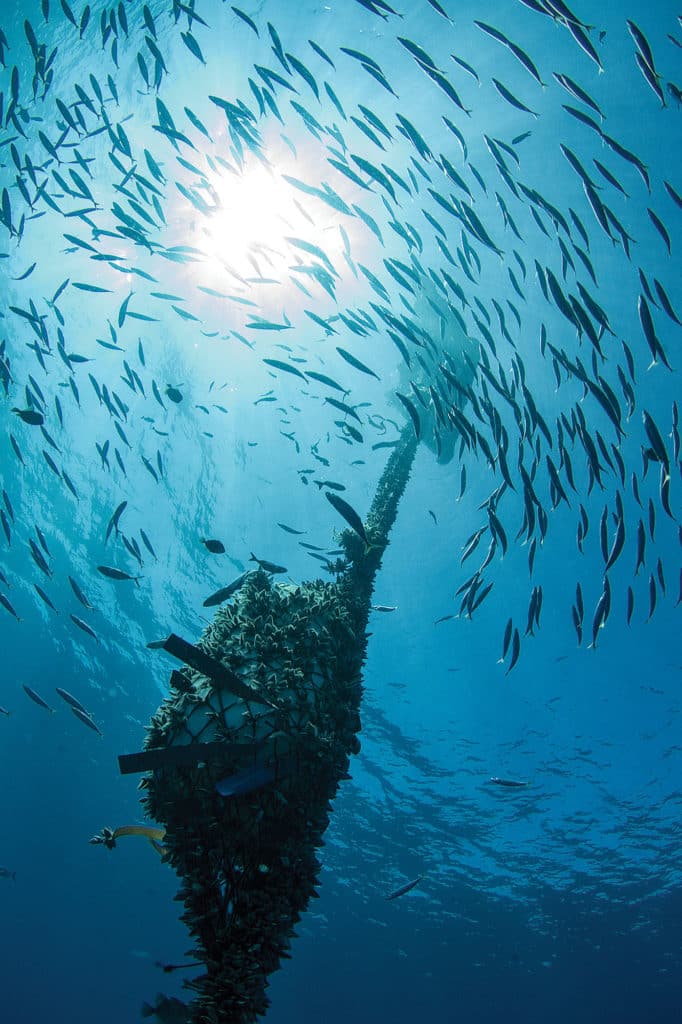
249, 864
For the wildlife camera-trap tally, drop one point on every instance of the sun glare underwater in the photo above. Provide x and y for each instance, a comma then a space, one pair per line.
340, 466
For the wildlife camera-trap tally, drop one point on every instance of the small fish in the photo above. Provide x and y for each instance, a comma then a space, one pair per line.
384, 607
343, 407
246, 781
290, 529
506, 640
113, 522
349, 514
277, 364
512, 99
37, 699
79, 594
167, 1009
349, 358
331, 484
84, 717
216, 547
147, 543
70, 699
246, 19
267, 566
414, 415
515, 650
84, 626
30, 416
652, 596
9, 607
403, 888
7, 873
44, 597
115, 574
222, 595
509, 783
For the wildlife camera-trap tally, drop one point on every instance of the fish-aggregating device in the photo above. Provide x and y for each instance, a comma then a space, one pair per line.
268, 723
247, 751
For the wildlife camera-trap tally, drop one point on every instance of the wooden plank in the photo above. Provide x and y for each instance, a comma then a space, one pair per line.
181, 755
218, 673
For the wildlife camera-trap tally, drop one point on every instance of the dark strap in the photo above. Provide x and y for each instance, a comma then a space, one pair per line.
185, 754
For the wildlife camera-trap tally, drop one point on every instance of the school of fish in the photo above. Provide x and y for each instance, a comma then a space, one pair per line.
107, 175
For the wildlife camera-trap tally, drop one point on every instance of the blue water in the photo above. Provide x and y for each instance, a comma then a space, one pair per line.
560, 899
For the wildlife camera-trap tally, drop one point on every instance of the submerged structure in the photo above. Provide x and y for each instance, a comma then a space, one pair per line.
165, 224
248, 749
266, 722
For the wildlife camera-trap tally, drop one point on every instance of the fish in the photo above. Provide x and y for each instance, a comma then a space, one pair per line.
84, 627
8, 873
31, 416
36, 698
38, 558
414, 415
246, 19
9, 607
79, 593
216, 547
508, 783
513, 100
70, 699
113, 522
167, 1009
147, 543
331, 484
349, 514
266, 566
222, 595
113, 573
353, 361
245, 781
403, 888
84, 716
518, 52
515, 651
343, 407
278, 364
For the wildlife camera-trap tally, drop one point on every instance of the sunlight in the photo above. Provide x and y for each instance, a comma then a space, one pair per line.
258, 212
